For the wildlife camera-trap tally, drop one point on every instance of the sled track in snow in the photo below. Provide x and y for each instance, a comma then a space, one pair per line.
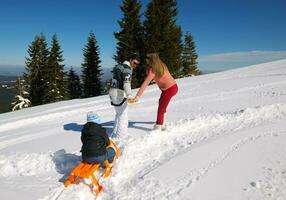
180, 137
203, 128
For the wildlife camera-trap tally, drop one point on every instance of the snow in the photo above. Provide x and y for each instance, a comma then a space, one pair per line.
225, 139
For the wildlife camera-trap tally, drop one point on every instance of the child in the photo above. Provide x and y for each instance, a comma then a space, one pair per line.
95, 141
120, 92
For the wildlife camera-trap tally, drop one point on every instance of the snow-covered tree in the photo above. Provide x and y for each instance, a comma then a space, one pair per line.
20, 101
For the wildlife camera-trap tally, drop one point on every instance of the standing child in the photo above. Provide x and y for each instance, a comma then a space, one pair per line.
120, 93
95, 141
159, 72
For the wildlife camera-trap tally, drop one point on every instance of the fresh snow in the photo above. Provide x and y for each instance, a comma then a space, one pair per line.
225, 139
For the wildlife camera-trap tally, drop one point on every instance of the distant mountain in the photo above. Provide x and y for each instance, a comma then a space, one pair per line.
11, 70
19, 70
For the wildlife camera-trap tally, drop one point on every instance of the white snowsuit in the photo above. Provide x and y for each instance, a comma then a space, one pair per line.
120, 90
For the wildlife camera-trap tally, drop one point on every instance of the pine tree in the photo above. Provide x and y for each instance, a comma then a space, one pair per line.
91, 71
74, 87
130, 38
20, 101
162, 34
36, 68
54, 76
189, 57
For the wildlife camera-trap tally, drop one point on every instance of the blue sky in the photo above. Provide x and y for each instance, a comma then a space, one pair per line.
228, 33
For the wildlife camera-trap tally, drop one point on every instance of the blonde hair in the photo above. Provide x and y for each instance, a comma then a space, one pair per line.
157, 65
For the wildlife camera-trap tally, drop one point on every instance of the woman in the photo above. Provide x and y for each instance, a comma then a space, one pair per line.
159, 72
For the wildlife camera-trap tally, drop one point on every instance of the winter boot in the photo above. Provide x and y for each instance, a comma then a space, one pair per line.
159, 127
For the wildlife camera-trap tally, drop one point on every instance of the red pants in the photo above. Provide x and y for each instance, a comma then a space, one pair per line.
164, 100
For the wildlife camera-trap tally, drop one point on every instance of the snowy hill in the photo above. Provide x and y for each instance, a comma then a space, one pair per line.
226, 139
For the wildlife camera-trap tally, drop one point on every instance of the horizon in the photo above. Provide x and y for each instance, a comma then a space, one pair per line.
14, 70
228, 34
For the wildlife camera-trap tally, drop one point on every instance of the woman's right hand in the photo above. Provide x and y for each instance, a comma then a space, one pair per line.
133, 100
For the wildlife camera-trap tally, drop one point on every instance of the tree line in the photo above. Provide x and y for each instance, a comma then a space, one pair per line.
47, 82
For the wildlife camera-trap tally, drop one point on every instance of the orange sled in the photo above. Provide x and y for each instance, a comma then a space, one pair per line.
86, 170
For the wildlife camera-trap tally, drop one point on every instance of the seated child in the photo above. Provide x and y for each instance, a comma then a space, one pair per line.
95, 141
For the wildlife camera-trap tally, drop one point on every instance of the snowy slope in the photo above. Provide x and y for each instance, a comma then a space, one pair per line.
226, 139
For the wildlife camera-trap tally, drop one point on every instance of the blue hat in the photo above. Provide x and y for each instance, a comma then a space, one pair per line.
93, 117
